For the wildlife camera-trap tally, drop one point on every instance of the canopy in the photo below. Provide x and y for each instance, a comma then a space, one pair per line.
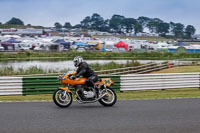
12, 40
62, 42
121, 45
80, 44
103, 50
6, 45
180, 44
92, 44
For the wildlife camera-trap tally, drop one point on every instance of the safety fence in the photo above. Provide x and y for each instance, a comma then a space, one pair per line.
11, 85
159, 81
149, 67
30, 85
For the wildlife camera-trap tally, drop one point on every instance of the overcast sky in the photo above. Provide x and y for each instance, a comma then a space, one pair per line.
47, 12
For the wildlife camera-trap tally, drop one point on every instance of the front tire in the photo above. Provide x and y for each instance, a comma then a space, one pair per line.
61, 100
110, 99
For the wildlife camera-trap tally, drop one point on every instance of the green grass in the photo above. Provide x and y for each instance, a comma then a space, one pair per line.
181, 69
141, 38
113, 65
9, 71
134, 55
142, 94
158, 94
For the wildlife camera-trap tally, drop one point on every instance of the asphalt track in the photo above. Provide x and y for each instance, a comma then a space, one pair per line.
128, 116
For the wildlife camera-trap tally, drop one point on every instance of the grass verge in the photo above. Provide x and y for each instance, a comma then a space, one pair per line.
137, 54
181, 69
142, 94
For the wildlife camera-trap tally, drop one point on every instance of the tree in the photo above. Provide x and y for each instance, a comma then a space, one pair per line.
67, 25
15, 21
58, 25
128, 24
77, 26
116, 23
120, 24
178, 30
163, 28
96, 22
138, 27
106, 25
171, 27
158, 26
189, 31
154, 24
85, 23
143, 21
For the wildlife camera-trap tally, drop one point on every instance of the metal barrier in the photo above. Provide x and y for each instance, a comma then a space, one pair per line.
30, 85
159, 81
10, 85
149, 67
48, 84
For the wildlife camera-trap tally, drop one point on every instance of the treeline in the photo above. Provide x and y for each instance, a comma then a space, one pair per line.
17, 23
120, 24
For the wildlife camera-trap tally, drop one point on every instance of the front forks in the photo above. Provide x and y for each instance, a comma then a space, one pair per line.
65, 90
65, 93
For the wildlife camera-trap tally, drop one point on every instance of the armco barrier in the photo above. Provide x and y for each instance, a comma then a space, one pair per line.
11, 85
160, 81
30, 85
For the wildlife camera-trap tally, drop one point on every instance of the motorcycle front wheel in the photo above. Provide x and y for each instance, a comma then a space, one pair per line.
62, 100
109, 99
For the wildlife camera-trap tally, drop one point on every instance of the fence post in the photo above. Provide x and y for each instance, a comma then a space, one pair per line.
169, 65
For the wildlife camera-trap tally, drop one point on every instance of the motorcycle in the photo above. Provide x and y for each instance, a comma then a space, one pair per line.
101, 91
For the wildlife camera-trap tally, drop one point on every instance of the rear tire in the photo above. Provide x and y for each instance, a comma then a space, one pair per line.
61, 100
109, 100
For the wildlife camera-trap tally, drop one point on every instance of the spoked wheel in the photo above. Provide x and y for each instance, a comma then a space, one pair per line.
109, 99
62, 100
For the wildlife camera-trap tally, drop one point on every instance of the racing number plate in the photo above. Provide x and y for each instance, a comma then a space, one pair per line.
107, 81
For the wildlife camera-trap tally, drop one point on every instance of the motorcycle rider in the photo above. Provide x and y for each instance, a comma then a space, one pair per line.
85, 71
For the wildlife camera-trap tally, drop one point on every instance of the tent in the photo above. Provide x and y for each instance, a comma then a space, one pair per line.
92, 44
181, 44
12, 40
80, 44
121, 45
62, 42
8, 45
103, 50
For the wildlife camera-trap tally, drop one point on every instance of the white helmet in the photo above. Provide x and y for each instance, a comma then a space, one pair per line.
77, 61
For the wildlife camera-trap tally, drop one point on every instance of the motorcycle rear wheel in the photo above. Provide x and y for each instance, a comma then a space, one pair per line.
110, 99
61, 100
